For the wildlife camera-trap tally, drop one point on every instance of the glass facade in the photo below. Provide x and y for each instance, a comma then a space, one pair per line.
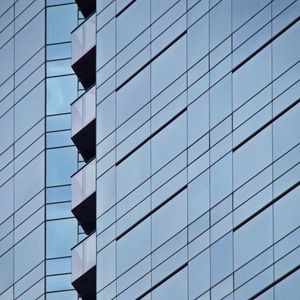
149, 149
198, 149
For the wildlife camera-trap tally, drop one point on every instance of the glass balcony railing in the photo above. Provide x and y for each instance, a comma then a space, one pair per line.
83, 184
83, 110
83, 38
83, 258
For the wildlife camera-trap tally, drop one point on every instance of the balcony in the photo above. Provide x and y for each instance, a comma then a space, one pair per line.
86, 6
83, 128
84, 196
84, 51
84, 268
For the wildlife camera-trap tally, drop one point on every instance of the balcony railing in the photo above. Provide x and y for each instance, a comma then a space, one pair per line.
84, 196
83, 38
84, 267
84, 51
83, 128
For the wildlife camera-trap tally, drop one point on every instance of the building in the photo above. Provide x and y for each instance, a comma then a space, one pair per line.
185, 169
37, 156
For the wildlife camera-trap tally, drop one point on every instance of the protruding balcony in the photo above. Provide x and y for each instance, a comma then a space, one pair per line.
84, 196
83, 112
84, 268
84, 51
86, 6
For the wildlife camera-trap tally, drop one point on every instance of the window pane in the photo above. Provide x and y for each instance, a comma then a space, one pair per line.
175, 135
220, 23
286, 133
251, 77
132, 22
61, 237
252, 157
174, 288
221, 259
285, 51
138, 166
252, 238
133, 96
61, 20
198, 40
61, 164
164, 70
61, 91
162, 230
221, 179
134, 246
27, 256
286, 214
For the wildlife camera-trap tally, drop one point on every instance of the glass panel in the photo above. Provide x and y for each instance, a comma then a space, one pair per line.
132, 22
63, 236
286, 124
138, 166
162, 230
137, 243
33, 36
27, 256
198, 193
250, 78
245, 246
175, 135
61, 163
77, 261
252, 157
174, 288
61, 20
286, 214
163, 69
221, 179
83, 110
198, 40
199, 274
89, 258
220, 23
133, 96
221, 259
285, 50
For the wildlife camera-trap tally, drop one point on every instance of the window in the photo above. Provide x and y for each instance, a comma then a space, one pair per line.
133, 171
251, 77
132, 22
174, 288
133, 246
133, 96
221, 259
174, 134
162, 230
253, 237
252, 157
33, 36
164, 70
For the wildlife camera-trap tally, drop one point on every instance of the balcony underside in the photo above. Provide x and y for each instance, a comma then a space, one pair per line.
85, 68
85, 141
85, 213
85, 285
86, 6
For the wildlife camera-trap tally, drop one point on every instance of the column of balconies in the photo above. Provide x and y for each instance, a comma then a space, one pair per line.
83, 134
84, 267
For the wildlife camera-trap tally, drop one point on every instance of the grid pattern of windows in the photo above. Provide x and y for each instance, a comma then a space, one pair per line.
61, 154
22, 145
198, 149
37, 157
